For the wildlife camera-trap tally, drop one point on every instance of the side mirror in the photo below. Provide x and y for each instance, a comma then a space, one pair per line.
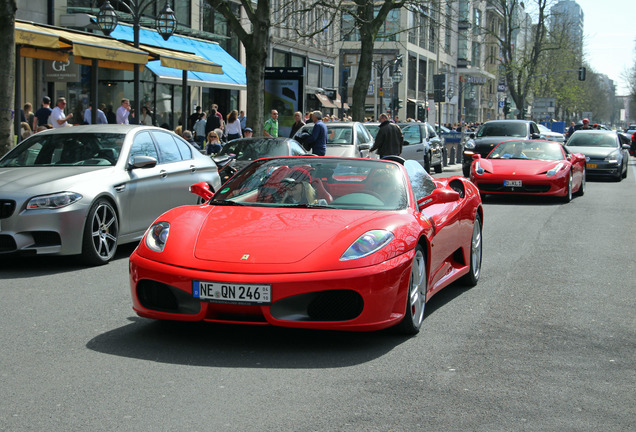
626, 146
142, 162
438, 196
476, 156
364, 146
471, 136
535, 136
202, 189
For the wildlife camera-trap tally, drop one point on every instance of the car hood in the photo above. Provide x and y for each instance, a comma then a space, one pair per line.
267, 240
283, 236
517, 166
16, 179
494, 140
344, 150
599, 152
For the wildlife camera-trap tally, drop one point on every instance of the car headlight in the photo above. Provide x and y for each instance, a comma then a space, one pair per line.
470, 145
478, 169
367, 244
157, 236
612, 157
554, 170
53, 201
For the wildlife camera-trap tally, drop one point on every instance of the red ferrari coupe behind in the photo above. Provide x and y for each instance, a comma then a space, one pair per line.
530, 167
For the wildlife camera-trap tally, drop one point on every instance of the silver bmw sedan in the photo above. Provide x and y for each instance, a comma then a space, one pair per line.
86, 189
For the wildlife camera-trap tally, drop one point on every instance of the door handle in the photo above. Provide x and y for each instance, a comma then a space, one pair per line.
163, 173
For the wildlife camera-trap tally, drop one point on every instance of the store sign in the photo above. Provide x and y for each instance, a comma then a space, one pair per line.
62, 71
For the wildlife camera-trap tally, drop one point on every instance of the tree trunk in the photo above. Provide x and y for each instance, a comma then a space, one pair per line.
7, 73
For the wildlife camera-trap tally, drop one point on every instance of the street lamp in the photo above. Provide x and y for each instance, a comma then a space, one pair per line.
107, 18
382, 67
397, 79
166, 24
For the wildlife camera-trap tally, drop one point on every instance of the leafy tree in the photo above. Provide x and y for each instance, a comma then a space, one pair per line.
255, 38
368, 17
8, 10
520, 61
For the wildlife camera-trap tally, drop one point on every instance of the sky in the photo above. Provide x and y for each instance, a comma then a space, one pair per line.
610, 37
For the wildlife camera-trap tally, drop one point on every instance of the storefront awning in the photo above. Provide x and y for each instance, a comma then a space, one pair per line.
233, 73
338, 102
325, 101
181, 60
55, 43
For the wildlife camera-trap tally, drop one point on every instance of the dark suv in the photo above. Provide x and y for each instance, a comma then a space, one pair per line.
492, 133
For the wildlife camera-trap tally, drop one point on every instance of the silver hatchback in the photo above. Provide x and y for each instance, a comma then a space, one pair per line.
86, 189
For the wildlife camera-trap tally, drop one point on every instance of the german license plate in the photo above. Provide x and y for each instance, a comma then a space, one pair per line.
512, 183
221, 292
592, 166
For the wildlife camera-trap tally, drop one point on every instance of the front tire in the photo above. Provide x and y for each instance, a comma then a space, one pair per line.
416, 295
427, 163
101, 231
581, 190
439, 168
472, 277
568, 194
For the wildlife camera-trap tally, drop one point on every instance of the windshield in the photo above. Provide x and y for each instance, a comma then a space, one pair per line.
336, 133
87, 149
531, 150
587, 139
373, 129
497, 129
251, 149
358, 184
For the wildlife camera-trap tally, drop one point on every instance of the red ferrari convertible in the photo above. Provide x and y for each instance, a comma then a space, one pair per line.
530, 167
312, 242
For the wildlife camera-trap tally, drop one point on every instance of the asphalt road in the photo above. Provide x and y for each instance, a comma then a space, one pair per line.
545, 342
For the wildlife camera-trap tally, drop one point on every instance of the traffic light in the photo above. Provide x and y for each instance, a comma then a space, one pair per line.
421, 113
506, 107
439, 84
582, 72
400, 103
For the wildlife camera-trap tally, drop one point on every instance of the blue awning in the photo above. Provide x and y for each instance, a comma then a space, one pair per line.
233, 77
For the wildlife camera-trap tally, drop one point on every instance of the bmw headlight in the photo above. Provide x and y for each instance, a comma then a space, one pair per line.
554, 170
367, 244
612, 157
470, 145
157, 236
53, 201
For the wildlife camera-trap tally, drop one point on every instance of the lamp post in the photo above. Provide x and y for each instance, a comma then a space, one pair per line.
397, 79
382, 67
165, 22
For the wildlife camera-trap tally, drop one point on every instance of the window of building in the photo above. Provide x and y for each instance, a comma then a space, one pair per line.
412, 72
422, 76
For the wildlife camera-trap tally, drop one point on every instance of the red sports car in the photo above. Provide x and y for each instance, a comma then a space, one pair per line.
312, 242
530, 167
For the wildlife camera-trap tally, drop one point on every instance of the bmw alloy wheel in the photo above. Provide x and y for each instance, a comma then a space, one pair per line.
100, 233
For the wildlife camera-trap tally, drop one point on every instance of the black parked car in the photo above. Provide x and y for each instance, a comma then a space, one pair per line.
240, 152
494, 132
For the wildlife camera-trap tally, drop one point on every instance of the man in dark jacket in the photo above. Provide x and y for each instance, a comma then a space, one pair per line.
318, 138
388, 141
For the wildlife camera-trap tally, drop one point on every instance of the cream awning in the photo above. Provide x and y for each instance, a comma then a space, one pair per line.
325, 101
182, 60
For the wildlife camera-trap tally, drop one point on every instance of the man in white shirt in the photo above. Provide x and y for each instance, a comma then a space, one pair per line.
58, 119
123, 111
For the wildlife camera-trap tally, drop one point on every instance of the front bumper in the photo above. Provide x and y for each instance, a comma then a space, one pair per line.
46, 231
369, 298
